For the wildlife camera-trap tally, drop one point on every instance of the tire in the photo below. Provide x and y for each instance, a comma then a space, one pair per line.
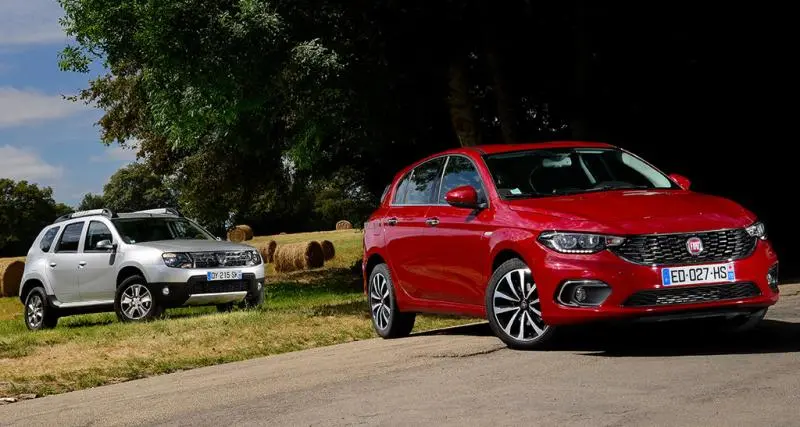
225, 308
135, 302
745, 323
387, 319
514, 317
253, 302
38, 314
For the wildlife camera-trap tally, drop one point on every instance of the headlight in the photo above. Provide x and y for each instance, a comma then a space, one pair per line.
177, 260
252, 258
578, 243
757, 230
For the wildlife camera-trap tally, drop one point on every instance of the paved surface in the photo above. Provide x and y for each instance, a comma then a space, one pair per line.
622, 376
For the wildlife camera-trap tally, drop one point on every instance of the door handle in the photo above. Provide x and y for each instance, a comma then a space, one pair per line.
433, 222
82, 264
392, 221
53, 265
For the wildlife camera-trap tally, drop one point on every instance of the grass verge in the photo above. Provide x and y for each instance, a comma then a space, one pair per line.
303, 310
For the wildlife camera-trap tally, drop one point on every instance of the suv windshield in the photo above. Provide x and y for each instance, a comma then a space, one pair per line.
537, 173
138, 230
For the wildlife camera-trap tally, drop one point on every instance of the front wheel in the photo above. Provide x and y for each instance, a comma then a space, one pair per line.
514, 309
387, 319
134, 302
745, 323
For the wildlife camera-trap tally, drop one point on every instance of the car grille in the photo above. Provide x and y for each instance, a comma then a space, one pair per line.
218, 259
670, 249
199, 285
692, 295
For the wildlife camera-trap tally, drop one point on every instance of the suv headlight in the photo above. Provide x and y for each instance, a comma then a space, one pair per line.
758, 229
177, 260
579, 243
252, 258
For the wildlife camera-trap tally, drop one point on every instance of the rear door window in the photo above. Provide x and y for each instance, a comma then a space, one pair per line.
70, 238
423, 185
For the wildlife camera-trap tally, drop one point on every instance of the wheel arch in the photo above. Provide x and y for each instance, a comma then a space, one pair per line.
372, 261
129, 271
29, 285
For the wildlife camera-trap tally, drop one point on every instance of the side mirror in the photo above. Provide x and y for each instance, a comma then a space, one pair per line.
681, 180
105, 245
219, 239
464, 196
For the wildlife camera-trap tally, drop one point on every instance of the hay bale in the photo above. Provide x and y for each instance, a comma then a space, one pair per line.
267, 250
248, 231
11, 271
271, 251
237, 235
328, 250
298, 256
344, 225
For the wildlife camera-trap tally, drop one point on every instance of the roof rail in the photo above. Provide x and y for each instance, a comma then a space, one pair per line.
166, 211
91, 212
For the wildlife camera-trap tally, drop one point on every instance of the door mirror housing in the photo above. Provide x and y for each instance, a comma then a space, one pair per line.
681, 180
464, 196
105, 245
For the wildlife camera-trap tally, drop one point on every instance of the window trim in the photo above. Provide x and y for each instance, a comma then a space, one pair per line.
85, 240
480, 179
57, 248
410, 175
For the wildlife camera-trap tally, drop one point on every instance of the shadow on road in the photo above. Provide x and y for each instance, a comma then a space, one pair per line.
669, 339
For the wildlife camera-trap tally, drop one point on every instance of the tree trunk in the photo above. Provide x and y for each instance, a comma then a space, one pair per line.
505, 105
461, 111
582, 58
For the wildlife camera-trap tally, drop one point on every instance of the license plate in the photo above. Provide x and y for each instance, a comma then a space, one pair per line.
698, 274
224, 275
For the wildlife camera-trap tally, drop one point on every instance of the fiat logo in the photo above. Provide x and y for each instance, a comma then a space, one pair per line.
694, 246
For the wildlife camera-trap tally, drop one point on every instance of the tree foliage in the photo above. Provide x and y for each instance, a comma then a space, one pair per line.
24, 210
137, 187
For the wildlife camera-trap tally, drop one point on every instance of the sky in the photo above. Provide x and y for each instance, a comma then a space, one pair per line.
45, 139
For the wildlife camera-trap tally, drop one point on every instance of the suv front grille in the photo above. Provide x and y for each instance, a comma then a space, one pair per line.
670, 249
199, 285
218, 259
692, 295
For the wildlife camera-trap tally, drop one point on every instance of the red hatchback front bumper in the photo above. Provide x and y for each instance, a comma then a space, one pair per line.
552, 270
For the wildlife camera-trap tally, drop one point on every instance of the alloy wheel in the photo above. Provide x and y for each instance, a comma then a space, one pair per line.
379, 301
136, 302
516, 305
35, 311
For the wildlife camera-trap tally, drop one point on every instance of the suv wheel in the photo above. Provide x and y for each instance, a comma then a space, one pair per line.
254, 301
38, 313
387, 319
134, 301
513, 307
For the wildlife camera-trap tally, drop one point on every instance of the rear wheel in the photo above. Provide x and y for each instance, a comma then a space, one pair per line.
38, 313
134, 301
514, 309
387, 319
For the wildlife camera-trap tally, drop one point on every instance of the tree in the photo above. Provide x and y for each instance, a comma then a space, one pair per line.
136, 187
91, 201
24, 210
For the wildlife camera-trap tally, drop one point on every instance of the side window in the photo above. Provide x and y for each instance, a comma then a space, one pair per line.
460, 171
424, 182
47, 239
97, 232
70, 238
400, 194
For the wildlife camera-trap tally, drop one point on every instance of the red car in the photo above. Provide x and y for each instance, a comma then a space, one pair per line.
533, 236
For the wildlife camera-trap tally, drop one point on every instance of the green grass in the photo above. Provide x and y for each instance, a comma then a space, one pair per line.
303, 310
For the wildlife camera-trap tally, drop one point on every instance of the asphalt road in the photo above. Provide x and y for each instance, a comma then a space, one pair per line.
654, 375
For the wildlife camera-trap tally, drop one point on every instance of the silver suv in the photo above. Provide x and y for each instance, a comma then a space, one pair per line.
135, 264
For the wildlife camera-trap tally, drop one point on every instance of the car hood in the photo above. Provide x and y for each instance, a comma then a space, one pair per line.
636, 211
193, 246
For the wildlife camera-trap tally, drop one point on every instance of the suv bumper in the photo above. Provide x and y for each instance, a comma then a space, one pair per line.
196, 290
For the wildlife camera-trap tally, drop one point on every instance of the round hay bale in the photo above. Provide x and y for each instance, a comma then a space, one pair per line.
328, 250
298, 256
344, 225
11, 271
271, 251
248, 231
237, 235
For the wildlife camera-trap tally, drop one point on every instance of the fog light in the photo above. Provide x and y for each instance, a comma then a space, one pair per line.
772, 277
165, 291
580, 294
259, 286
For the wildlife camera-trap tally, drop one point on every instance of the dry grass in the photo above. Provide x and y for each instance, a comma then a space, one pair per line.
303, 309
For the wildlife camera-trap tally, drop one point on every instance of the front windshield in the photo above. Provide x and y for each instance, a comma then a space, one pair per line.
538, 173
139, 230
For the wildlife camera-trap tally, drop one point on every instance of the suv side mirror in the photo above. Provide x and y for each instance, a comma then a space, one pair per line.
105, 245
464, 196
219, 239
681, 180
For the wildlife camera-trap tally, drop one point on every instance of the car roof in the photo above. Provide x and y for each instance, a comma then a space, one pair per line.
504, 148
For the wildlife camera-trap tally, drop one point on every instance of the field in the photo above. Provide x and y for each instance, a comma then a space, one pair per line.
303, 310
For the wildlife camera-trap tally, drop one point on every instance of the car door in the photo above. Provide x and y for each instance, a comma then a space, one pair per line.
408, 249
460, 237
97, 275
63, 262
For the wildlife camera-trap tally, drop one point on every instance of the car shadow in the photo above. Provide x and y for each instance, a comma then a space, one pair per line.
690, 338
